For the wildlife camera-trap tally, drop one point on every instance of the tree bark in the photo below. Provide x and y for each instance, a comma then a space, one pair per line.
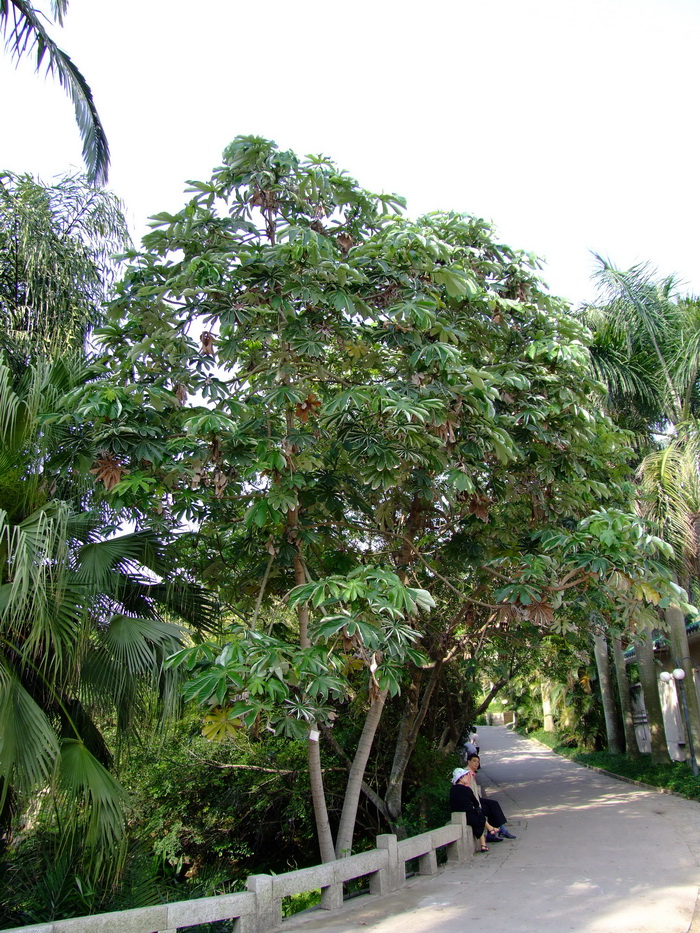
680, 653
318, 793
346, 827
649, 677
547, 715
623, 691
412, 720
602, 660
369, 793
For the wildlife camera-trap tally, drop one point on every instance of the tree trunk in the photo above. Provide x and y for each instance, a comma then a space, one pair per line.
602, 660
412, 720
346, 827
547, 715
649, 677
623, 690
680, 654
318, 793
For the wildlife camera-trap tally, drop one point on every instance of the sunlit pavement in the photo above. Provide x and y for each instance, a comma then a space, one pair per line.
593, 855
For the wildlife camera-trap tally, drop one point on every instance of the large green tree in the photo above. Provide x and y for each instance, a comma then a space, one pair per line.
371, 401
57, 243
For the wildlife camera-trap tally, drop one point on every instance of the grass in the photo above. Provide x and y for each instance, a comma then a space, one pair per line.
676, 776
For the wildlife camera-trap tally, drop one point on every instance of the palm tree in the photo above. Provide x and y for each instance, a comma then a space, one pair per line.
86, 621
646, 350
22, 26
57, 244
87, 615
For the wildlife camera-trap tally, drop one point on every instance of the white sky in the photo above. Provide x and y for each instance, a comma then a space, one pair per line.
572, 124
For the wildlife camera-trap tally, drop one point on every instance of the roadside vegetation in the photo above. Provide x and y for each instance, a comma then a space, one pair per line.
291, 493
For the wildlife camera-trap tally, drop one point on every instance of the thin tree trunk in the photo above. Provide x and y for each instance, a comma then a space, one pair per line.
602, 660
346, 827
649, 677
547, 715
369, 793
318, 793
413, 719
623, 690
680, 654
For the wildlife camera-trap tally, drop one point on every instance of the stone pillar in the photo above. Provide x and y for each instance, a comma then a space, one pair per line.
461, 849
268, 910
332, 896
427, 864
393, 876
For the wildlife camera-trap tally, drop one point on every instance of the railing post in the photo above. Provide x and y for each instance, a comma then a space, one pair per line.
427, 864
268, 910
462, 848
392, 877
332, 896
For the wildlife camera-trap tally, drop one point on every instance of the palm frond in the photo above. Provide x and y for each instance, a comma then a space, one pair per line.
670, 494
141, 644
26, 34
82, 777
28, 744
98, 559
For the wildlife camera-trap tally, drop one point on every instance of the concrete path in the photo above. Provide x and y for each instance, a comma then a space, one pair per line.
593, 855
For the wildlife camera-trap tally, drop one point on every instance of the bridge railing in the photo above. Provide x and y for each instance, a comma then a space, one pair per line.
259, 908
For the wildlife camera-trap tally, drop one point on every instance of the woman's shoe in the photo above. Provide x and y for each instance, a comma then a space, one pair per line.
492, 837
483, 849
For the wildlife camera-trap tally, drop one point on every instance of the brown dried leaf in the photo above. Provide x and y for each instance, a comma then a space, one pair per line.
108, 470
479, 506
207, 339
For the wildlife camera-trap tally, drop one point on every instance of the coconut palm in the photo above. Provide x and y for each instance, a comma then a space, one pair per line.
23, 27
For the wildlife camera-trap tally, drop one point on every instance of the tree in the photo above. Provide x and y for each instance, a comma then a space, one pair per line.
81, 629
21, 24
57, 244
602, 659
376, 406
646, 350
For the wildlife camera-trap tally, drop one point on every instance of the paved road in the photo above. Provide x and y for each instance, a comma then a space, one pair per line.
593, 855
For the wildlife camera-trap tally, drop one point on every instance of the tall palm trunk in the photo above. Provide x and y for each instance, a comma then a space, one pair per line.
602, 660
649, 677
623, 690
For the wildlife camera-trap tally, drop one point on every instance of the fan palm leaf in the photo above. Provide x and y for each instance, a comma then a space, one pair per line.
28, 743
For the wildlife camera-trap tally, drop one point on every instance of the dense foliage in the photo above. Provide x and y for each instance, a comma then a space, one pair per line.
376, 440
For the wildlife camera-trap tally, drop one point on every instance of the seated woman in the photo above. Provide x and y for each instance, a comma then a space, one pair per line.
483, 814
464, 800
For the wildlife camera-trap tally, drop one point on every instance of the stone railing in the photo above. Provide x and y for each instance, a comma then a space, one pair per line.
259, 909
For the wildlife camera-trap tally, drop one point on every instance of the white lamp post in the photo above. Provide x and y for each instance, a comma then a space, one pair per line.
678, 676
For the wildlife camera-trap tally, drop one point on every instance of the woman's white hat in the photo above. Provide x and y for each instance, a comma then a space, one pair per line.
458, 773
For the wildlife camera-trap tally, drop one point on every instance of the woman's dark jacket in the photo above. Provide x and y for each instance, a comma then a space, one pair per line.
463, 800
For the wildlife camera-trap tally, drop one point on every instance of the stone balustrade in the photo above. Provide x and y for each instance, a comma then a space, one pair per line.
259, 908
